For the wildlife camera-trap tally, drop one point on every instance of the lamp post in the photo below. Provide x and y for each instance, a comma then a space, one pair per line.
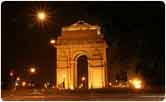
12, 74
32, 70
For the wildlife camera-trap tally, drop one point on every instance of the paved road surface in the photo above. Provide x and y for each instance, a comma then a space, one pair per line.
101, 97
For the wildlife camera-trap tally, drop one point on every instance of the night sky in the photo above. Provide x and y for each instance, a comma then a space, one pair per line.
137, 28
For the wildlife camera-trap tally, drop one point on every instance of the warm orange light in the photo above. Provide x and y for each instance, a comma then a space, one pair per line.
53, 87
45, 85
52, 41
83, 78
110, 83
41, 15
64, 75
81, 85
16, 84
24, 83
137, 83
32, 70
71, 87
18, 78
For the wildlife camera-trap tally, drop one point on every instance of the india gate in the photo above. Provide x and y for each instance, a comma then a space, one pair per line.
81, 57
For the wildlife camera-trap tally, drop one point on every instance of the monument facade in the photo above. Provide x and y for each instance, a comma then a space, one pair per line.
81, 57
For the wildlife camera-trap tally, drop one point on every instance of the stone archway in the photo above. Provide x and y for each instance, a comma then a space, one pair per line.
82, 77
76, 40
82, 71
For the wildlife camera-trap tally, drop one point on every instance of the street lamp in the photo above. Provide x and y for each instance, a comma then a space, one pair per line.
24, 83
12, 74
32, 70
41, 16
136, 83
18, 78
52, 41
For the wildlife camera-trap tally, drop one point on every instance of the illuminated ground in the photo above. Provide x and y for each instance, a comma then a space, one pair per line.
51, 95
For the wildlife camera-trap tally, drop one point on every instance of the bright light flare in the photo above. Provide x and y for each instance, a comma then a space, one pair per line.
18, 78
110, 84
32, 70
24, 83
83, 78
52, 41
16, 84
41, 15
11, 74
137, 83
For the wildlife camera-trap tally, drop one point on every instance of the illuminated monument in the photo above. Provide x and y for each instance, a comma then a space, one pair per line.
81, 57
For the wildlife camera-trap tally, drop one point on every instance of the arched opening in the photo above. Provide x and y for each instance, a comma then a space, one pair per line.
82, 72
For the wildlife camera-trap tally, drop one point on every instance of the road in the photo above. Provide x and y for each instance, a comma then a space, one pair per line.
90, 97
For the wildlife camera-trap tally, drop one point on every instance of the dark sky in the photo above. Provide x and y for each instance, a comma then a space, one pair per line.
129, 25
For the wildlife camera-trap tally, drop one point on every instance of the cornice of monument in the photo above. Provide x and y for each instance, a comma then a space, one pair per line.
81, 25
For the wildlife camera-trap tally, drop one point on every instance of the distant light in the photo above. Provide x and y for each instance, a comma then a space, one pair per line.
137, 83
138, 86
41, 15
18, 78
32, 84
110, 83
71, 87
16, 84
53, 87
45, 85
81, 85
52, 41
11, 74
32, 70
24, 83
83, 78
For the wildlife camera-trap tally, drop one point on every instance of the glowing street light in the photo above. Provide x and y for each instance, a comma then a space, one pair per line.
32, 70
52, 41
18, 78
16, 84
24, 83
137, 83
41, 16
